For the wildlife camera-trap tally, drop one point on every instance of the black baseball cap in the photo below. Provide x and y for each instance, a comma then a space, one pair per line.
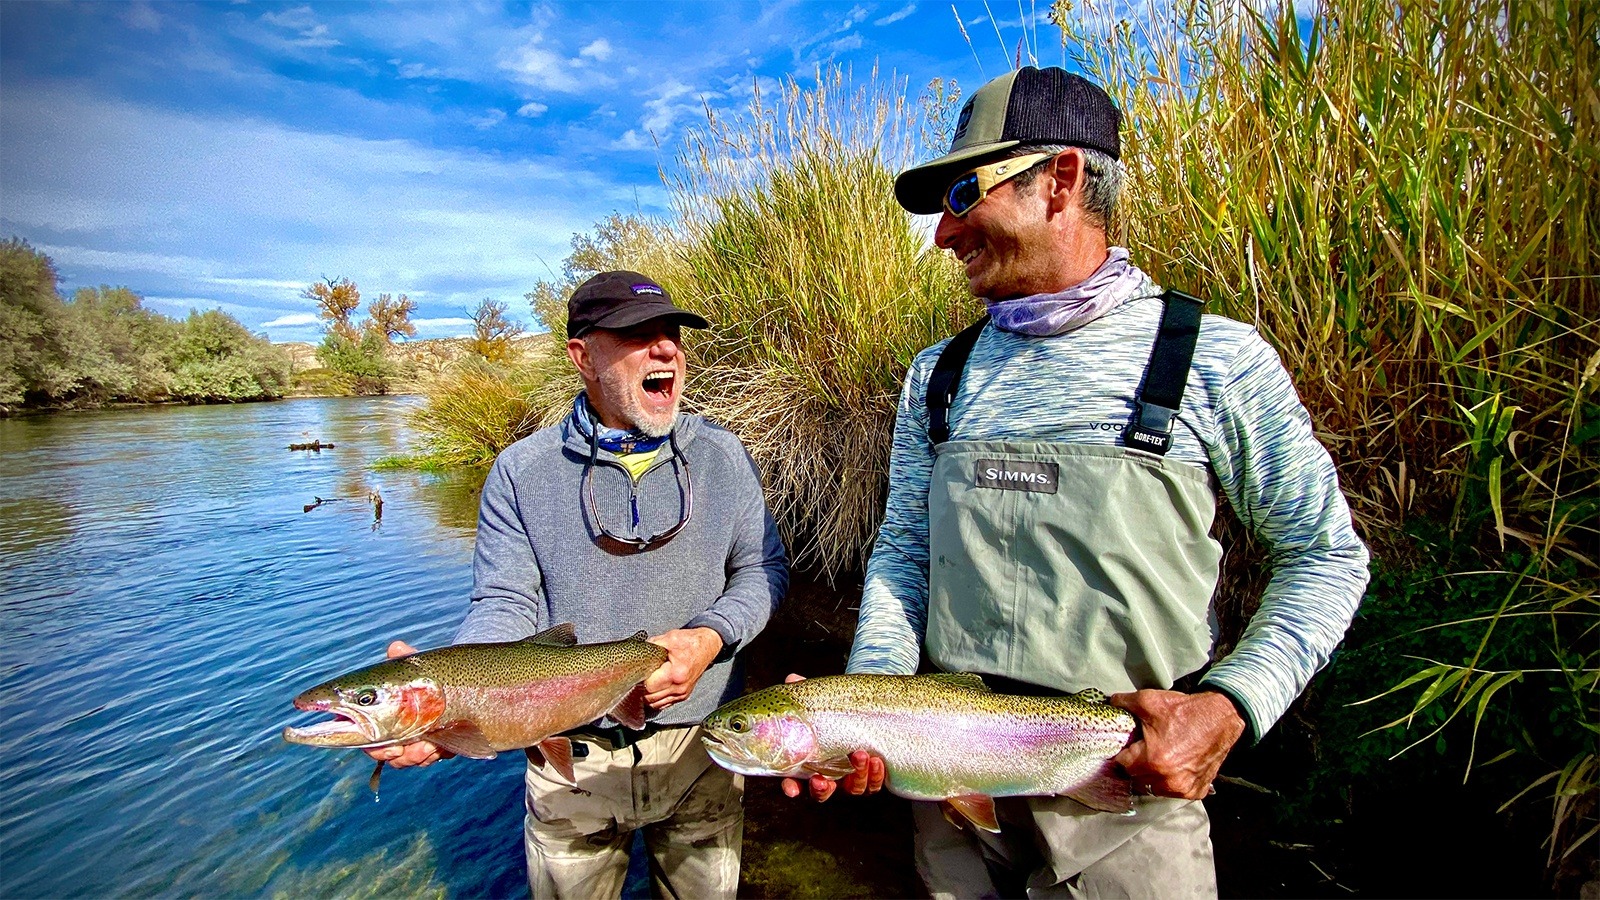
622, 299
1026, 106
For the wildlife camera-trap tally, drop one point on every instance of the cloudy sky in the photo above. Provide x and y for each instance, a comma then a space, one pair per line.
230, 154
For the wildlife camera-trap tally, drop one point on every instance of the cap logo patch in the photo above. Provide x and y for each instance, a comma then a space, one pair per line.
963, 121
648, 289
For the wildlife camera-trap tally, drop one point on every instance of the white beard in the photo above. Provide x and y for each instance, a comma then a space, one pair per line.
622, 393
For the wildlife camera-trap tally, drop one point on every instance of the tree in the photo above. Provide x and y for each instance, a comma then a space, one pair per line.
33, 365
390, 317
492, 332
336, 300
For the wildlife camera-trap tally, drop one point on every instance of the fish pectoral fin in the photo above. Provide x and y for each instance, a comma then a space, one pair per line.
630, 709
462, 739
563, 635
1109, 790
832, 768
969, 680
557, 751
977, 809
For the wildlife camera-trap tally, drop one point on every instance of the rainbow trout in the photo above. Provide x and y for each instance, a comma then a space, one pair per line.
942, 737
478, 699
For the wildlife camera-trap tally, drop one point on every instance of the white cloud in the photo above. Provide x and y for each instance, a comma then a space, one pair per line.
633, 140
662, 111
842, 45
538, 67
855, 17
447, 322
489, 119
141, 16
303, 22
292, 320
249, 212
897, 15
599, 50
415, 70
532, 109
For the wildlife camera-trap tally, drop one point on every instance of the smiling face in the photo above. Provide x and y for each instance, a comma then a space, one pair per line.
634, 376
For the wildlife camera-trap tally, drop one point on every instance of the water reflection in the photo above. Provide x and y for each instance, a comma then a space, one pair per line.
163, 595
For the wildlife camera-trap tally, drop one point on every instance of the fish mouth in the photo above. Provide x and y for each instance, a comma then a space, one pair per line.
347, 728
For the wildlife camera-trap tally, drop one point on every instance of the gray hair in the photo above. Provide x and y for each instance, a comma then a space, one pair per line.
1102, 182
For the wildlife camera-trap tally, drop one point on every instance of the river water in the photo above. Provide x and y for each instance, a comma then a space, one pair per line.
164, 594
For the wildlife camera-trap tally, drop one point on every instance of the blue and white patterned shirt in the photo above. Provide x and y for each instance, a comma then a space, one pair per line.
1241, 420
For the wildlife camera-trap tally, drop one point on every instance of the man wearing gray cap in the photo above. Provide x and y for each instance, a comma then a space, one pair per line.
1054, 477
628, 516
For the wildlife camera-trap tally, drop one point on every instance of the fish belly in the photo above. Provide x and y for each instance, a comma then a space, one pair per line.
933, 756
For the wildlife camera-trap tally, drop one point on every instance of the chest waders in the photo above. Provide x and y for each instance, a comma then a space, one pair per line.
1072, 566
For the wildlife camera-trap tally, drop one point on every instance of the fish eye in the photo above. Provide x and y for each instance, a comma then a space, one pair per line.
737, 723
367, 697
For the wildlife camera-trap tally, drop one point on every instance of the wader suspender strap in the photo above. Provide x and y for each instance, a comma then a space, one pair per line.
1166, 375
1164, 378
946, 378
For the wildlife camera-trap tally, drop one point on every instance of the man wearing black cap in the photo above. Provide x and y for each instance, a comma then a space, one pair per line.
1053, 482
629, 516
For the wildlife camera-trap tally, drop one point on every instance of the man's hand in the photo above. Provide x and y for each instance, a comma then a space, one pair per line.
689, 652
866, 779
416, 753
1186, 738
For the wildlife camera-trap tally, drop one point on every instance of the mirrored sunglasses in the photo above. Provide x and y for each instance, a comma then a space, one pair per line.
969, 190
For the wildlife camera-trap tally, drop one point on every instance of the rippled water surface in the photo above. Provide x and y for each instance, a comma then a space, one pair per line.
163, 596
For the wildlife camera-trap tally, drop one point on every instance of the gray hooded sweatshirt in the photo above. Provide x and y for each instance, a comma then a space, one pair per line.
539, 559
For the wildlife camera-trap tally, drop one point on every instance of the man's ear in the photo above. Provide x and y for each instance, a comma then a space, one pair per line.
578, 352
1066, 180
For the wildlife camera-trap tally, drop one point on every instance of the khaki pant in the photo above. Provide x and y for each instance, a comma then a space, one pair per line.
577, 839
1056, 847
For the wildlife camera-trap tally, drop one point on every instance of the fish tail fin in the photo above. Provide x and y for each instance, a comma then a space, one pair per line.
1108, 790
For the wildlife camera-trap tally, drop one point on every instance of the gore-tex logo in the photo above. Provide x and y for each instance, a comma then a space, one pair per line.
1017, 475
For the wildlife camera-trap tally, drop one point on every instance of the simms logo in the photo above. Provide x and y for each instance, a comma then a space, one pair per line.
1016, 475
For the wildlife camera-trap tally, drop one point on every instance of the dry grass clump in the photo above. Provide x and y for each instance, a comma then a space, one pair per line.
1403, 199
821, 291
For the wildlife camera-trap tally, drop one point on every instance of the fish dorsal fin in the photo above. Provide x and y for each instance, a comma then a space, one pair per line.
640, 636
557, 751
630, 709
562, 635
1090, 695
968, 680
978, 809
1108, 790
462, 739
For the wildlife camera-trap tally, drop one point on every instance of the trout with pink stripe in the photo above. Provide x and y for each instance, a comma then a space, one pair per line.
942, 737
478, 699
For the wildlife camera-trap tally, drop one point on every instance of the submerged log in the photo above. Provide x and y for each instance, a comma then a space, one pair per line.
316, 445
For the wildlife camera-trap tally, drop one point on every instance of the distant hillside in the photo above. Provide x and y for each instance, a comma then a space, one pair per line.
419, 360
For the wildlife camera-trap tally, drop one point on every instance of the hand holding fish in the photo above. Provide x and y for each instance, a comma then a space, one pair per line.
1185, 739
866, 776
690, 652
417, 753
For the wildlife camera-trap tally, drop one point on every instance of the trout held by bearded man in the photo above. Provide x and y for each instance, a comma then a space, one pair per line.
943, 737
478, 699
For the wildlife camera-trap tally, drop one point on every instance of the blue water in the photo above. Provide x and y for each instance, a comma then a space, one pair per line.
164, 595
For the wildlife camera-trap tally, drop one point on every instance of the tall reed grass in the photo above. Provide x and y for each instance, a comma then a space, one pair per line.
1403, 198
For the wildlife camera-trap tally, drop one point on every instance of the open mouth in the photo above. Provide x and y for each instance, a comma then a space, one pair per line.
343, 730
659, 385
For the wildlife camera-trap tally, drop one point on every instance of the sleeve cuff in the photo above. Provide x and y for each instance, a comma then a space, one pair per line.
1250, 728
730, 641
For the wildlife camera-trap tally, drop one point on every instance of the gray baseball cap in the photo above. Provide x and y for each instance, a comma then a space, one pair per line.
1026, 106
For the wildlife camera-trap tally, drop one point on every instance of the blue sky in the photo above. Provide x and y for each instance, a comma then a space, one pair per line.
231, 154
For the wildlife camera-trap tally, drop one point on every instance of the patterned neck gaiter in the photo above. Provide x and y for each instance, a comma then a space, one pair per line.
1043, 315
614, 440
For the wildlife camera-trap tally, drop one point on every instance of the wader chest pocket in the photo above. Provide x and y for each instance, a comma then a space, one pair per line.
1016, 475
